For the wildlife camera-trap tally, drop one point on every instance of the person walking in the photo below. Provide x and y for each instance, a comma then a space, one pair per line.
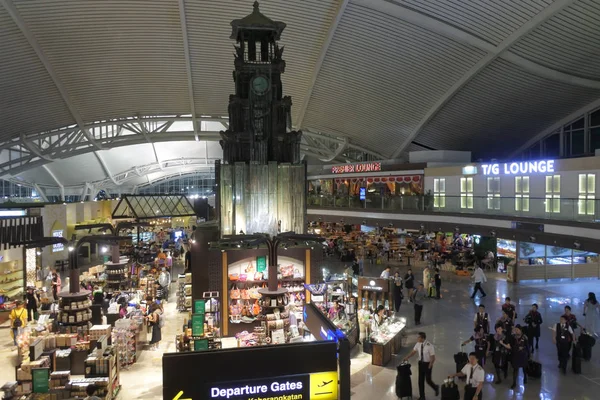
591, 311
18, 320
571, 318
475, 378
398, 295
33, 302
563, 339
409, 283
56, 284
385, 274
506, 323
533, 319
479, 278
482, 320
426, 278
519, 347
426, 354
437, 278
500, 354
510, 310
482, 344
417, 299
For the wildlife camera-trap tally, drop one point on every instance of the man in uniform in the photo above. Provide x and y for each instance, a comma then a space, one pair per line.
509, 309
482, 320
426, 354
563, 339
475, 377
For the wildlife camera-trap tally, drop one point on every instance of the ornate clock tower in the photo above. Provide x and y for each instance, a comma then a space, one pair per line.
260, 124
262, 178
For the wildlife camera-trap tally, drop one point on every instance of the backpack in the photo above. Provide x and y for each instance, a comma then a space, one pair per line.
17, 323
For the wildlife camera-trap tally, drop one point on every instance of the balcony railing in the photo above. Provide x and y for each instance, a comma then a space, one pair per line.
532, 207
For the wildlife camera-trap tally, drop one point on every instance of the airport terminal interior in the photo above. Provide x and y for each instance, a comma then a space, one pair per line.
299, 199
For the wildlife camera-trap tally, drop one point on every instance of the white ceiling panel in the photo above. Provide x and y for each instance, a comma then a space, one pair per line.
568, 42
380, 76
115, 58
500, 109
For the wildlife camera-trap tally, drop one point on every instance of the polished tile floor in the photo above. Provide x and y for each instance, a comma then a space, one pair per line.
447, 322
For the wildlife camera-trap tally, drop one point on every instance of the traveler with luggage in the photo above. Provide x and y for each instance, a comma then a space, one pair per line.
563, 339
519, 348
500, 354
571, 318
403, 381
426, 354
591, 312
475, 377
482, 320
482, 344
533, 319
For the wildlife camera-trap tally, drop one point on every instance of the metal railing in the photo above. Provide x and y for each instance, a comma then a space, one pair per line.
566, 209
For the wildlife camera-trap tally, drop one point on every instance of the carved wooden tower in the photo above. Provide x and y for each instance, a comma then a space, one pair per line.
262, 178
260, 124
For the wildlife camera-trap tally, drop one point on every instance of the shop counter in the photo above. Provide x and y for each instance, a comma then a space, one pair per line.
387, 342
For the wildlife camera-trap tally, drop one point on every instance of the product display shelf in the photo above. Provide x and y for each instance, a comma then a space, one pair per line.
184, 292
104, 366
125, 336
116, 274
75, 309
9, 284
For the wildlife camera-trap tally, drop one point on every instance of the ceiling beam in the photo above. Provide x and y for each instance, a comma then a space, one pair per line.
105, 168
40, 192
317, 68
55, 179
514, 37
18, 20
34, 149
188, 64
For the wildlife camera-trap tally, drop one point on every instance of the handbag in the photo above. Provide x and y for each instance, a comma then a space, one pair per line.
250, 268
234, 293
287, 271
253, 293
234, 277
258, 276
243, 277
245, 295
297, 273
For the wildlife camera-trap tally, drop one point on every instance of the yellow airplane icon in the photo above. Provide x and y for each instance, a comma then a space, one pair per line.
178, 397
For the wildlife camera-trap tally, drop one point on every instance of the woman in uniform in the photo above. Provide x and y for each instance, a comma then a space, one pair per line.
519, 347
482, 344
533, 319
500, 353
506, 323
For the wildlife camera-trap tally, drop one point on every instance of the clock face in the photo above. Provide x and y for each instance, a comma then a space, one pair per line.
260, 84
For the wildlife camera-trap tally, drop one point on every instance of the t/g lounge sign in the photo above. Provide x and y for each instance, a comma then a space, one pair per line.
360, 167
517, 168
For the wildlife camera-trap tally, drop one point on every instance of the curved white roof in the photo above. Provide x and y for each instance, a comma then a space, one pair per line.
388, 76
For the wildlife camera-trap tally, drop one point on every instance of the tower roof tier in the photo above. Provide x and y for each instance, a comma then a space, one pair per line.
256, 21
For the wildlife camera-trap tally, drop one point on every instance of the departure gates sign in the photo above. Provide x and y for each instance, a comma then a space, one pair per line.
519, 168
316, 386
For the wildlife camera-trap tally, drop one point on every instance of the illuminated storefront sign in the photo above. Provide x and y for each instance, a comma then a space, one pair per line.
516, 168
316, 386
360, 167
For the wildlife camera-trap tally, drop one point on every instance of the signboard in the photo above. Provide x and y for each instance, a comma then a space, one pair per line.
261, 263
317, 386
58, 246
357, 167
374, 284
40, 378
362, 193
517, 168
197, 324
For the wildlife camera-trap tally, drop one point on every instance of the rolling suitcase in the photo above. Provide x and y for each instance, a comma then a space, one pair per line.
534, 369
576, 360
403, 381
449, 390
461, 359
586, 341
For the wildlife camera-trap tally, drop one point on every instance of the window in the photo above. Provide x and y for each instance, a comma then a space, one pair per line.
439, 192
493, 190
587, 194
466, 192
553, 193
522, 193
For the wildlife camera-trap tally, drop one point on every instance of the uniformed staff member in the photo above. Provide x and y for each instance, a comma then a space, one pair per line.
519, 347
482, 344
500, 354
426, 354
482, 320
563, 339
475, 377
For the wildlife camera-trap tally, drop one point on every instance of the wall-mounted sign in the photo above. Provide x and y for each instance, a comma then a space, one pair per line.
516, 168
358, 167
374, 284
319, 386
362, 193
469, 170
261, 263
58, 246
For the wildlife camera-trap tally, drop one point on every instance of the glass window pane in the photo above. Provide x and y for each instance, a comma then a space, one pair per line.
443, 185
556, 204
548, 184
442, 201
595, 118
590, 205
591, 183
579, 124
518, 203
518, 185
463, 185
548, 203
525, 203
436, 185
594, 139
582, 183
577, 142
525, 184
470, 185
552, 146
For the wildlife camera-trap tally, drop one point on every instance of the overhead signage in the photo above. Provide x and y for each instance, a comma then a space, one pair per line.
362, 193
516, 168
469, 170
374, 284
357, 167
316, 386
